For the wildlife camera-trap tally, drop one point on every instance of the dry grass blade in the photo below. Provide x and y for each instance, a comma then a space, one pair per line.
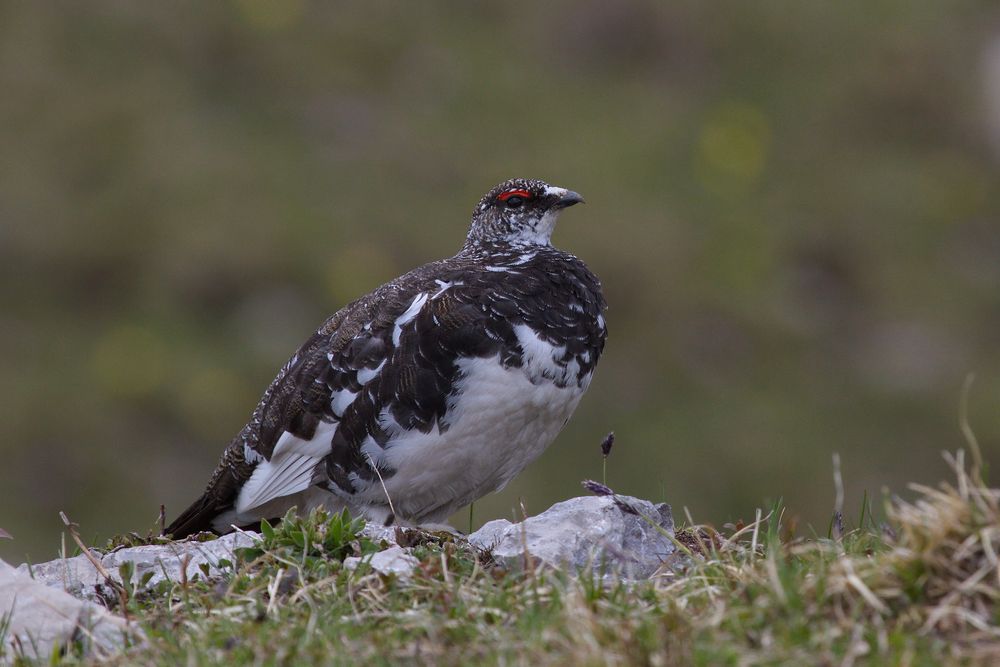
855, 582
113, 583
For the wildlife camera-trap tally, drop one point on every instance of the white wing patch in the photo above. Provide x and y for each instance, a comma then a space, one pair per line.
445, 286
408, 316
541, 358
289, 471
250, 455
366, 375
341, 401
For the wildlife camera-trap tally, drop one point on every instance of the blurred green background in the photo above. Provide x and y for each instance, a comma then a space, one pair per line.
794, 207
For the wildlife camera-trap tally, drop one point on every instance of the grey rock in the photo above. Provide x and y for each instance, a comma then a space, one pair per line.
592, 533
42, 618
378, 534
78, 576
394, 560
179, 560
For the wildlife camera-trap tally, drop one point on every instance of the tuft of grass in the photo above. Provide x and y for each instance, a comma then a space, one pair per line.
921, 589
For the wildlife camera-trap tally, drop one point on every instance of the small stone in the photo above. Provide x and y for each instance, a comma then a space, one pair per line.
394, 560
618, 535
379, 534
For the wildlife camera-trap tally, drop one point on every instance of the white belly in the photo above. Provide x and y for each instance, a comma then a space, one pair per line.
498, 424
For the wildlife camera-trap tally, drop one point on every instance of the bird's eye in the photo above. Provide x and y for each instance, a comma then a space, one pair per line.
514, 198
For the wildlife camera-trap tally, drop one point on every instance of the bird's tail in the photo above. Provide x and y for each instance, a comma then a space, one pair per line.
195, 519
218, 499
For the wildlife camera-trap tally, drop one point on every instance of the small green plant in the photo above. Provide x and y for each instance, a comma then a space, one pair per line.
315, 539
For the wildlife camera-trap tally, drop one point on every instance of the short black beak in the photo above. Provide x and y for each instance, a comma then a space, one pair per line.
568, 199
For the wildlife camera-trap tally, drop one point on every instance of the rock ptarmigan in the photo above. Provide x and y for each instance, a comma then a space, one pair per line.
430, 392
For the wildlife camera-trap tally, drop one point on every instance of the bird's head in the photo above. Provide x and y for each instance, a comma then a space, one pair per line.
519, 212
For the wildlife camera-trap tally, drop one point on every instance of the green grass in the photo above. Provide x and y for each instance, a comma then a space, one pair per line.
920, 587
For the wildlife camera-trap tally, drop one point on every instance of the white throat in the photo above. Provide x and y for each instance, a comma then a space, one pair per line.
539, 233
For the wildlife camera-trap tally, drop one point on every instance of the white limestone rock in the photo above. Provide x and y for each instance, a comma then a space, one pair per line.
591, 533
179, 560
78, 576
379, 534
394, 560
42, 619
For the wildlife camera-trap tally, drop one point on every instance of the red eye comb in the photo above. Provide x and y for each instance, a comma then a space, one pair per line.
524, 194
